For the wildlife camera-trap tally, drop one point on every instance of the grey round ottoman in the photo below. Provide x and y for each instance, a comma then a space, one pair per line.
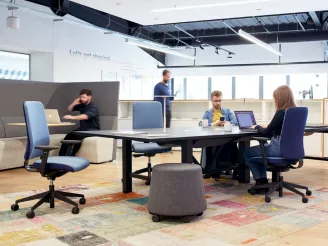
176, 190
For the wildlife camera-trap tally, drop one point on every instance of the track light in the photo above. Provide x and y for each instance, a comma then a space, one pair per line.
217, 51
230, 55
201, 46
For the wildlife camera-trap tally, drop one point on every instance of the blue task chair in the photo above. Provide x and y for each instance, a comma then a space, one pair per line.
147, 115
38, 140
292, 152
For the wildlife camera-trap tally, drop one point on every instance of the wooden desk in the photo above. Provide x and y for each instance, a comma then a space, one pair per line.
50, 125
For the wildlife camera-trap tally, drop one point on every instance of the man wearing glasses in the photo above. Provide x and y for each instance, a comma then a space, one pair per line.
217, 115
228, 153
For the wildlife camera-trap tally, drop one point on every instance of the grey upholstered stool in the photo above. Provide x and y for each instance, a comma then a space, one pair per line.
176, 190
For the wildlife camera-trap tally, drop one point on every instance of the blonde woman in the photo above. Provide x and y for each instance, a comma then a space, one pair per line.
284, 99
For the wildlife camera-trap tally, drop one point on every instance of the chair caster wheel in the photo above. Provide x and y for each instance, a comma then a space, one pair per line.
252, 192
156, 218
186, 219
82, 201
75, 210
14, 207
305, 200
147, 182
308, 193
30, 214
200, 214
267, 199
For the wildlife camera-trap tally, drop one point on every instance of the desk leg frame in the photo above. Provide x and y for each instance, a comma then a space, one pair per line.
127, 166
244, 173
186, 151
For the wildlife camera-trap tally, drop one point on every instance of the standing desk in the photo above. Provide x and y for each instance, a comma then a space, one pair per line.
187, 138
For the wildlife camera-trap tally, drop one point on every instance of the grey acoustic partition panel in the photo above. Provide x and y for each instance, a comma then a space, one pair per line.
14, 93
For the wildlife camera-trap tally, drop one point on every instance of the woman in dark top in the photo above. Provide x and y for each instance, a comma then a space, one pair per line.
284, 99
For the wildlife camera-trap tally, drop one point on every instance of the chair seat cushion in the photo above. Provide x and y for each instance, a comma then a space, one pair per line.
64, 163
149, 148
275, 161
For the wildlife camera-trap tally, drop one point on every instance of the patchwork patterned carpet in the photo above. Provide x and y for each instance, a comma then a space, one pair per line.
111, 218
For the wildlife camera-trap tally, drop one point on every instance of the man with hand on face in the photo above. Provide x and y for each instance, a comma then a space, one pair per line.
88, 117
218, 116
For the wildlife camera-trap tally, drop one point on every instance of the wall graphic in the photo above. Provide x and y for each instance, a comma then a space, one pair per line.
14, 66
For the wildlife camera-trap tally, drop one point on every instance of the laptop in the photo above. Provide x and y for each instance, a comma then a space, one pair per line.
245, 120
52, 116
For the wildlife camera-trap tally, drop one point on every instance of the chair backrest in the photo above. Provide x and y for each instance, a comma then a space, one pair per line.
292, 134
147, 115
36, 128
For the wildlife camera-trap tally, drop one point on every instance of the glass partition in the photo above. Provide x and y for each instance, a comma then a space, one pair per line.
271, 82
223, 84
247, 87
301, 84
197, 88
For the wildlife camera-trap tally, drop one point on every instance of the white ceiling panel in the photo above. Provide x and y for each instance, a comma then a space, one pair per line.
150, 12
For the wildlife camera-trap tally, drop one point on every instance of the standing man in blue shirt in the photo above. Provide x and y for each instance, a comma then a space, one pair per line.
162, 89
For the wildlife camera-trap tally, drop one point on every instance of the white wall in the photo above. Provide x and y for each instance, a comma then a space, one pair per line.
40, 36
251, 54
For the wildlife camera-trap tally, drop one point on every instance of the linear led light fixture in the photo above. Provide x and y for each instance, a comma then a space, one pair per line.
227, 3
255, 40
159, 48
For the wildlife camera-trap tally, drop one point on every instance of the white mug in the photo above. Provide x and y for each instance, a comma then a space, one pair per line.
204, 123
227, 127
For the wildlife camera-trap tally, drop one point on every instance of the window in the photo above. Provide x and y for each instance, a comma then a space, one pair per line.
14, 66
247, 87
179, 88
147, 87
270, 83
223, 84
197, 88
301, 84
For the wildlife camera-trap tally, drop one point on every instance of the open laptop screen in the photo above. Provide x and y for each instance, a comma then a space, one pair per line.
245, 119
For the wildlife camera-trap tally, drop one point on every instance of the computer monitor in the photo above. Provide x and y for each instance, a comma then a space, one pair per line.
245, 119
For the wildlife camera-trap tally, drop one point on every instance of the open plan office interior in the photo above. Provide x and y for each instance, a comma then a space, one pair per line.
163, 122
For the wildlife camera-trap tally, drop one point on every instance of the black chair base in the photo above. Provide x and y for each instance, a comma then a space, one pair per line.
49, 197
279, 186
148, 170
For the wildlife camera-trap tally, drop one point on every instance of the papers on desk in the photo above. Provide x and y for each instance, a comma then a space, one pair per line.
129, 132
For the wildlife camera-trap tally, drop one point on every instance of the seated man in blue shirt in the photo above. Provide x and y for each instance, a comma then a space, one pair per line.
218, 116
215, 114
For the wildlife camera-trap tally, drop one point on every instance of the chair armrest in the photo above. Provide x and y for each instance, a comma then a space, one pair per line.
261, 139
70, 141
44, 159
46, 147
